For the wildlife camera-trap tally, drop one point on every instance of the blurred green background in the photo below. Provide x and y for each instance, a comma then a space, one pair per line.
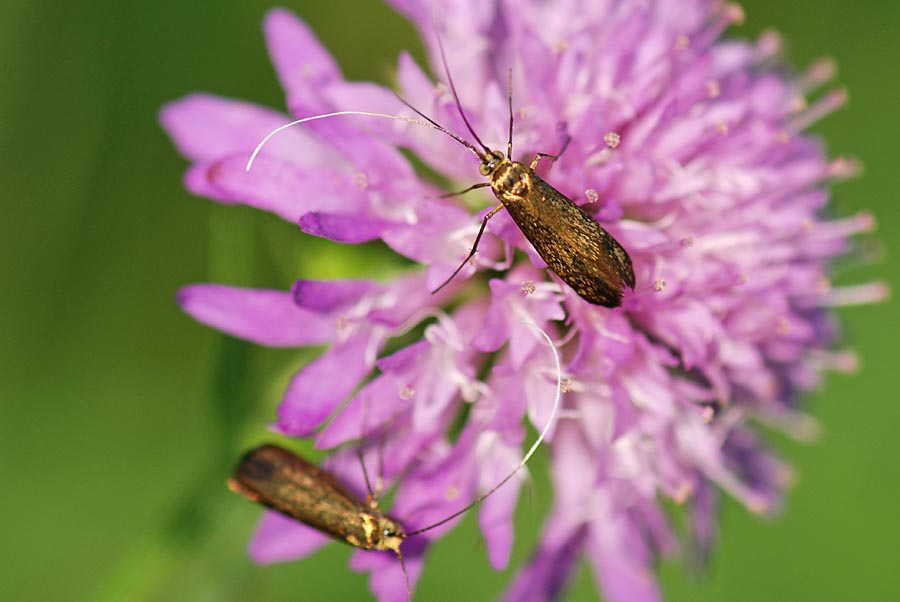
121, 417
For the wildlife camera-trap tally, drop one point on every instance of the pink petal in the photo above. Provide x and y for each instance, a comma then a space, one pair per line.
386, 578
620, 575
287, 190
302, 63
279, 539
342, 228
496, 514
317, 390
377, 402
425, 240
206, 127
324, 296
196, 180
266, 317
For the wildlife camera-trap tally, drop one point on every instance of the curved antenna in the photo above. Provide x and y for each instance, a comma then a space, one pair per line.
371, 495
429, 124
509, 142
462, 114
530, 452
441, 128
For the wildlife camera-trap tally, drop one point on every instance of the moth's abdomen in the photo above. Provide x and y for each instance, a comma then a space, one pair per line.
569, 239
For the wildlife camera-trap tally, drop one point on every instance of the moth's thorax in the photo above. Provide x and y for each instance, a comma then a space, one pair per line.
511, 181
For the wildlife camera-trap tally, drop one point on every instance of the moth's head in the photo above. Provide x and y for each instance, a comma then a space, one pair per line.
491, 162
392, 535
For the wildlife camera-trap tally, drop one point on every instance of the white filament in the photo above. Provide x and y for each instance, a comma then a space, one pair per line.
324, 116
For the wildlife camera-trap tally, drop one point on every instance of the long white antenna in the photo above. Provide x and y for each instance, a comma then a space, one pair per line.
429, 123
556, 401
529, 453
324, 116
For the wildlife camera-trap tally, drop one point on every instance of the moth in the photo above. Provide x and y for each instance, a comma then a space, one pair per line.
577, 248
285, 482
568, 238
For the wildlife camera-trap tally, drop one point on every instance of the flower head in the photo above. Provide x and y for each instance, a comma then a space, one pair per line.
688, 148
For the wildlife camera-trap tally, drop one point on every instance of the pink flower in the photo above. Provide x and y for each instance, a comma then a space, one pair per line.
689, 149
